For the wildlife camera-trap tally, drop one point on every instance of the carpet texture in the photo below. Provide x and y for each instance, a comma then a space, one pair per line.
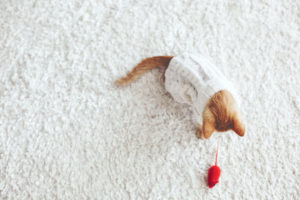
67, 132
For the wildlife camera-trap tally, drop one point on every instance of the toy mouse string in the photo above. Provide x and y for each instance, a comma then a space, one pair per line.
216, 162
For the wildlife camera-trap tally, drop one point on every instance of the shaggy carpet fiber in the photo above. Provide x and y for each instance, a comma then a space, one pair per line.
67, 132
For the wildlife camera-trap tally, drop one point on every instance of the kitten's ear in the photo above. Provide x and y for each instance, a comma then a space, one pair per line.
208, 128
238, 125
209, 124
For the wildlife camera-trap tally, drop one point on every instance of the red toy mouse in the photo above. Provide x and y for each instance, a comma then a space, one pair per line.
214, 173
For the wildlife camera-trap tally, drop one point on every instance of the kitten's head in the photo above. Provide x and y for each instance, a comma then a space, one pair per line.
222, 114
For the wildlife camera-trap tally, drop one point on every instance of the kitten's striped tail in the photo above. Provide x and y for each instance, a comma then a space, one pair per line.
143, 67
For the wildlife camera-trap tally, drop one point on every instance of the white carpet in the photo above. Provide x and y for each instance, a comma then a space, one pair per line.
66, 132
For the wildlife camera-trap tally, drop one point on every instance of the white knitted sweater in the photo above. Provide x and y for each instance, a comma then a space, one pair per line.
193, 79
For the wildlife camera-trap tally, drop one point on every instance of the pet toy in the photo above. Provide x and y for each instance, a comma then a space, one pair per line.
214, 173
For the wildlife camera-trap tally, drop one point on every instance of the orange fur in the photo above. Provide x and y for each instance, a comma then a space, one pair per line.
143, 67
220, 113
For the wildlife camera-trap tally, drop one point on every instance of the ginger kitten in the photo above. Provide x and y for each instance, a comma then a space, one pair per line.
194, 80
